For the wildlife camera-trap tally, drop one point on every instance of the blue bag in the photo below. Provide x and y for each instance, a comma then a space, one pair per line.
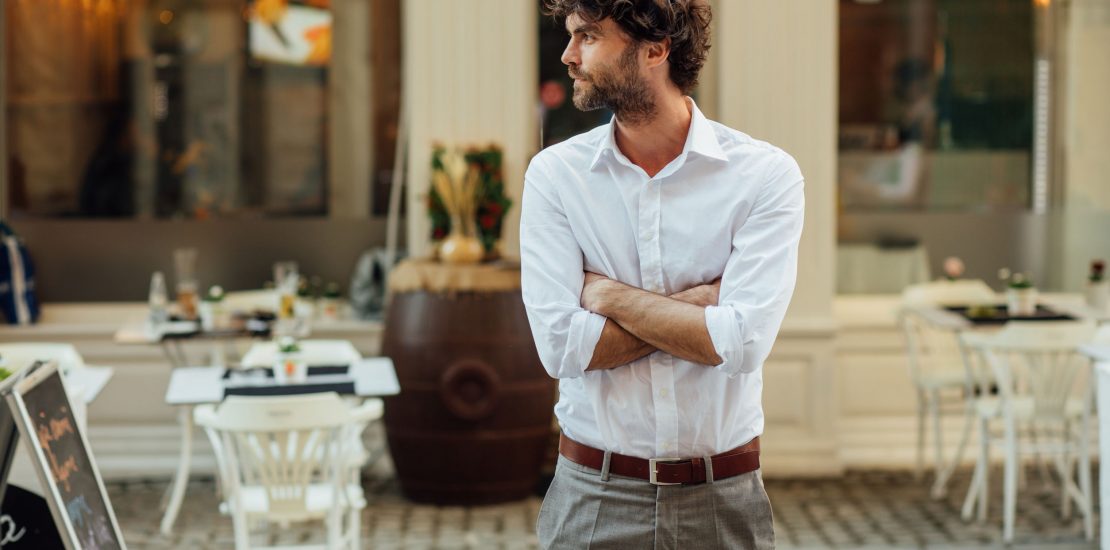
18, 305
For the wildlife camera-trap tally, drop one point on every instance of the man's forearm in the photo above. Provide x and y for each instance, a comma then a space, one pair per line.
618, 347
666, 324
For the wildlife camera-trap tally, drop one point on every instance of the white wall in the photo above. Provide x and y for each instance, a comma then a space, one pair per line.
470, 77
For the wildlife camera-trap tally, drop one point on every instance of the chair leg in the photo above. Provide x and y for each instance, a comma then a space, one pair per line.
1064, 471
335, 530
938, 441
974, 489
1085, 483
920, 467
355, 528
1009, 492
984, 480
242, 529
940, 486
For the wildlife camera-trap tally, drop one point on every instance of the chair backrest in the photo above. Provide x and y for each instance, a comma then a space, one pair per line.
931, 346
283, 444
18, 356
1102, 334
949, 293
1038, 360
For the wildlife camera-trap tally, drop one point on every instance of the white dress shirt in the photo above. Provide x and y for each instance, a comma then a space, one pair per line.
728, 206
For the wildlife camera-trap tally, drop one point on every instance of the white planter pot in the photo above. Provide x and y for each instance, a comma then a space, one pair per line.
1021, 302
290, 369
1098, 295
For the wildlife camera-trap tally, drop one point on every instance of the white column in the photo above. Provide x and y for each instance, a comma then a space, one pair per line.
351, 143
777, 82
470, 77
1086, 132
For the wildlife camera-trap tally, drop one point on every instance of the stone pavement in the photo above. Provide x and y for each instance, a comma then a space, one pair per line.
865, 509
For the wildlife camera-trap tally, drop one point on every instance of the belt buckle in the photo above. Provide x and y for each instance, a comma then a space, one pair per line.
653, 472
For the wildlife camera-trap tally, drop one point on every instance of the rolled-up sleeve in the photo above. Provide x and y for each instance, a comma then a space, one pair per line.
759, 276
551, 279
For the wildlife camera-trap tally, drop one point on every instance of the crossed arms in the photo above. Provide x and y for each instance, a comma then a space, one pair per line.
639, 322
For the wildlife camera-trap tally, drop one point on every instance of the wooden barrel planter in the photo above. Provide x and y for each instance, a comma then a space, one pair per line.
473, 419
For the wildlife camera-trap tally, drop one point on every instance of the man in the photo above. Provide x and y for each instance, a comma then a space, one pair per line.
659, 254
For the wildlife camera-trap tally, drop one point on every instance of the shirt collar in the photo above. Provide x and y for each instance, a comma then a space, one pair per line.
701, 138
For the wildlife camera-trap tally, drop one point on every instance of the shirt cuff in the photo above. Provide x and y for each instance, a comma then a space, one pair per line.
728, 342
585, 331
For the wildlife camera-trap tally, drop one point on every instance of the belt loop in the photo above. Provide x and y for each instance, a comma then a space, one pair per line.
605, 466
708, 469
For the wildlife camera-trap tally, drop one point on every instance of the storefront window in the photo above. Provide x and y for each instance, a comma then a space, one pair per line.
177, 108
936, 104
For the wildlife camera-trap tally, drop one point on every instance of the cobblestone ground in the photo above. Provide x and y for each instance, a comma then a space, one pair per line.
865, 509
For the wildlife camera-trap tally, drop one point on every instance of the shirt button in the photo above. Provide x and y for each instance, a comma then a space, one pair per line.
664, 393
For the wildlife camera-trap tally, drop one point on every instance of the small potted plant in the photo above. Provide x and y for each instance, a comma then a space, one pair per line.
1098, 290
290, 367
1021, 295
211, 310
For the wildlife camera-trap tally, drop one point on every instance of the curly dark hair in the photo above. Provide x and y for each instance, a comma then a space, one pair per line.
685, 22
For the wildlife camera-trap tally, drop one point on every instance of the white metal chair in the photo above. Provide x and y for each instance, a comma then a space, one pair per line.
1043, 406
285, 459
322, 352
937, 367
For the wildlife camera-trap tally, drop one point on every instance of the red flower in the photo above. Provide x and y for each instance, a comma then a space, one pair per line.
439, 233
494, 209
487, 221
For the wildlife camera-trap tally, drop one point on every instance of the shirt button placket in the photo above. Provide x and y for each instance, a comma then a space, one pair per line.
662, 375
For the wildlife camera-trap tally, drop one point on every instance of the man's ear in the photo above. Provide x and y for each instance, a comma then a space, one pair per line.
658, 52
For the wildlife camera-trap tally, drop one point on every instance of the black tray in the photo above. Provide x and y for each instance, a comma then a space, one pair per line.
1001, 316
342, 388
313, 370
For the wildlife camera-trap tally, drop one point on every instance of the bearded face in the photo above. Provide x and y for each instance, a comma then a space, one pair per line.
617, 86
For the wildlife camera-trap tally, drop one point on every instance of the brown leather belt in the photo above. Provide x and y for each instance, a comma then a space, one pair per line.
665, 471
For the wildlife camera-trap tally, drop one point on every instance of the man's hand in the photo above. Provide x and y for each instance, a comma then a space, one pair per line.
701, 295
593, 288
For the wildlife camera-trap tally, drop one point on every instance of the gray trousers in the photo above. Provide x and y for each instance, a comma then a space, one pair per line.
585, 508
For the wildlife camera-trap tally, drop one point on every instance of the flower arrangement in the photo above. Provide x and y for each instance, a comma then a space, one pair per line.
288, 344
1098, 292
468, 186
1014, 280
953, 268
1097, 269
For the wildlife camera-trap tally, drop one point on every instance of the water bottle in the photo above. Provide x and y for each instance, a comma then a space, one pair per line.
157, 299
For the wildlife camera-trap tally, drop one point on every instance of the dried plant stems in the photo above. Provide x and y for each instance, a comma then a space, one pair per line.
457, 185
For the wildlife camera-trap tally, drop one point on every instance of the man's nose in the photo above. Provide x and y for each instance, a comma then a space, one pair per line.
570, 54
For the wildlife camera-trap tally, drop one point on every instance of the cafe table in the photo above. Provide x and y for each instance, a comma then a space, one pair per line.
956, 321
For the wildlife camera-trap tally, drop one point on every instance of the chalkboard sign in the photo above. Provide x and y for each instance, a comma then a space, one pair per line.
65, 464
9, 441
